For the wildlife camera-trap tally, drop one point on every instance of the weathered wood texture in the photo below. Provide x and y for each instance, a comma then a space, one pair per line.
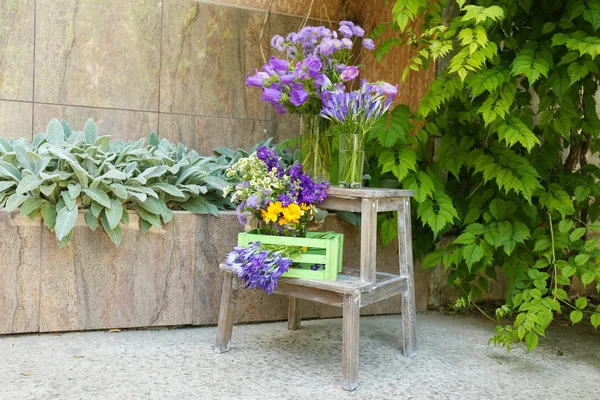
227, 310
350, 342
368, 240
294, 313
406, 269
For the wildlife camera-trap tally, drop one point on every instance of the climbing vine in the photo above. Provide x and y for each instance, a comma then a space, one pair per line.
499, 152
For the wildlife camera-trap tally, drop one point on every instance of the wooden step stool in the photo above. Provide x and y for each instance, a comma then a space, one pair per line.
354, 288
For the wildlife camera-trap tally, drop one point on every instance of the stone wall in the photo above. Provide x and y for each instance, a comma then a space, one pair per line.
166, 277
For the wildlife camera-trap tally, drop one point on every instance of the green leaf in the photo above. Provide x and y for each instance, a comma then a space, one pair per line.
531, 340
393, 130
91, 221
153, 139
581, 259
577, 234
576, 316
65, 221
147, 216
98, 196
91, 132
432, 260
565, 225
498, 208
515, 131
55, 132
398, 162
27, 184
31, 204
389, 230
587, 278
114, 234
577, 71
581, 303
14, 201
595, 319
48, 212
114, 213
472, 253
74, 190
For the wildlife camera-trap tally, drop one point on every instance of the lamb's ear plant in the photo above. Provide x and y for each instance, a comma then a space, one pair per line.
63, 171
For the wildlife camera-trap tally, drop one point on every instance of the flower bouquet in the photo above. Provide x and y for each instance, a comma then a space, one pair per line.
282, 201
313, 61
356, 112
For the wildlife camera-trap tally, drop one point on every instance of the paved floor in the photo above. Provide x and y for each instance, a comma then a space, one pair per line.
270, 362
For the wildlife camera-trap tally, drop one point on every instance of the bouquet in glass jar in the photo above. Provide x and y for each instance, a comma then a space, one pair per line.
356, 112
282, 201
313, 61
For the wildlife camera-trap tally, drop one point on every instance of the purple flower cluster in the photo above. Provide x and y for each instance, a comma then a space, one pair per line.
258, 268
270, 158
360, 107
304, 188
317, 61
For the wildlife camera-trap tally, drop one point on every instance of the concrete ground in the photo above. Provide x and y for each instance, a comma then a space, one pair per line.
269, 362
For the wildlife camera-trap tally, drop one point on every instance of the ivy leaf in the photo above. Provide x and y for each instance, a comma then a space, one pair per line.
389, 230
576, 316
471, 254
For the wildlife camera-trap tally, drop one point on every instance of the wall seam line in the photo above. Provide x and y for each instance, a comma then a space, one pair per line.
160, 61
33, 74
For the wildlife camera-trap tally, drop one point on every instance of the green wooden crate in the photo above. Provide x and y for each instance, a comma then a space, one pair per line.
323, 250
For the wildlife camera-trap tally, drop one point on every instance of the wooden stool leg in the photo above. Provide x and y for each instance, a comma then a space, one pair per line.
409, 334
350, 342
294, 316
225, 325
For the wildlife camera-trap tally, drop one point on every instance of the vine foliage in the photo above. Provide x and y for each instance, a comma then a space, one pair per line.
500, 152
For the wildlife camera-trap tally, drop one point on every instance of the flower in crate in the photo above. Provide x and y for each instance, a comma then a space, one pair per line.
257, 267
282, 201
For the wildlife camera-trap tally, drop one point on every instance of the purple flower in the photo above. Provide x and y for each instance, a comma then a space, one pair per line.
277, 42
349, 73
368, 44
271, 95
388, 89
300, 72
254, 81
290, 36
337, 44
287, 79
322, 82
313, 65
347, 43
358, 31
340, 68
280, 109
346, 31
349, 24
278, 64
240, 215
298, 97
253, 202
285, 199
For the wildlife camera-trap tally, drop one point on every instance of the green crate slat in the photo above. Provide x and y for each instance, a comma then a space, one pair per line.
326, 250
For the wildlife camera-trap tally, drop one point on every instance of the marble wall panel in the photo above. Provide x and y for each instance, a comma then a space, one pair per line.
147, 281
98, 53
16, 49
20, 272
120, 124
15, 119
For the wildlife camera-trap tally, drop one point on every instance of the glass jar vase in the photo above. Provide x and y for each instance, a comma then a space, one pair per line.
316, 147
351, 160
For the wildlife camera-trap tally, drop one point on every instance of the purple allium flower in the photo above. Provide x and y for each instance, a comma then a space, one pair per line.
368, 44
358, 31
346, 31
349, 73
347, 43
298, 97
271, 95
278, 64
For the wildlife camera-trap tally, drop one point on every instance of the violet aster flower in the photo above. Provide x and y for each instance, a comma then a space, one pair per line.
298, 97
358, 31
339, 68
368, 44
277, 42
346, 31
271, 95
349, 24
347, 43
349, 73
253, 202
240, 216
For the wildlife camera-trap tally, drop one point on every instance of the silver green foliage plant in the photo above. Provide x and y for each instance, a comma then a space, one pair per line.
63, 171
